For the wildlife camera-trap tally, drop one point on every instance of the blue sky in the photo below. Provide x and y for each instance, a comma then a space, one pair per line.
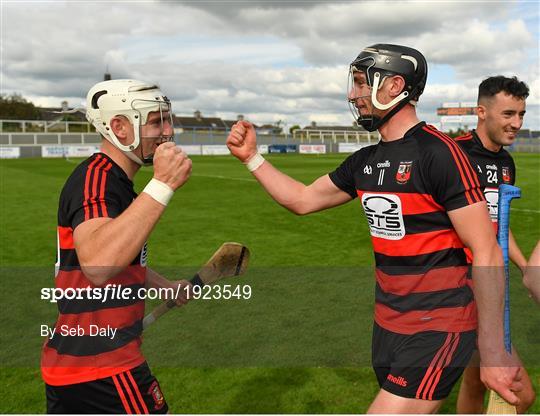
267, 60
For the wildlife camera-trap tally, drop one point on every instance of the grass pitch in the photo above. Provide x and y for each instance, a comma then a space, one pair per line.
301, 344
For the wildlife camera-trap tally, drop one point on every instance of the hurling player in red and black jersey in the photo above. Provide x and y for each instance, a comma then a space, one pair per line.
423, 203
92, 361
501, 108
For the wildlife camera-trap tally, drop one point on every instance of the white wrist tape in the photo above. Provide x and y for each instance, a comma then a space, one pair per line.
255, 162
160, 191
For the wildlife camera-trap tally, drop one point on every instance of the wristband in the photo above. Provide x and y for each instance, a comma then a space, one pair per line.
255, 162
160, 191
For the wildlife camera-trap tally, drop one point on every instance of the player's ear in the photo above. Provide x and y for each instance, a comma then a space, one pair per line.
481, 111
396, 85
119, 126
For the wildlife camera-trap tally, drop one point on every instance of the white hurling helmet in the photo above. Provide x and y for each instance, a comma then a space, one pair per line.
129, 98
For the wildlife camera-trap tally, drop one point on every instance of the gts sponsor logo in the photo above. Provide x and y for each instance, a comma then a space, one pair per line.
383, 212
492, 199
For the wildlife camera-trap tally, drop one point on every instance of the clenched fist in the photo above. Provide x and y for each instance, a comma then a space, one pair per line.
242, 141
183, 289
502, 373
171, 165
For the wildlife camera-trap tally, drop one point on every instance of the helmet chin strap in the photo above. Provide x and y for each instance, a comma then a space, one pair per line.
125, 149
375, 101
370, 124
136, 159
374, 122
147, 161
129, 149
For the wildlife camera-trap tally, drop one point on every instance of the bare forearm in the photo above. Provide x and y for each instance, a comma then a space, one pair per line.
155, 280
531, 279
295, 196
474, 228
112, 246
515, 253
285, 190
178, 290
489, 284
289, 193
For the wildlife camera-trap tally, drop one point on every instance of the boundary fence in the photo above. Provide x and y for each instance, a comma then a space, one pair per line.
76, 139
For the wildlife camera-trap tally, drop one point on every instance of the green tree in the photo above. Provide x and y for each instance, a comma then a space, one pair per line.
293, 128
460, 131
16, 107
277, 129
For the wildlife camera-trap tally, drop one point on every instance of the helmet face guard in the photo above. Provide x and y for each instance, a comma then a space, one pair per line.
165, 116
134, 100
378, 62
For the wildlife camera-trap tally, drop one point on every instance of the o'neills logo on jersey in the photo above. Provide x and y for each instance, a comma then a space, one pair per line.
383, 212
492, 199
404, 172
144, 255
385, 164
506, 174
400, 381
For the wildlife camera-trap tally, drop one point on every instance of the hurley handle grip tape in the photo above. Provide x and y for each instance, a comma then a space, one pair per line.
506, 194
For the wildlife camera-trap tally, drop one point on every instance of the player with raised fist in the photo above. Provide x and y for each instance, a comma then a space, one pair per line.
424, 205
242, 141
92, 362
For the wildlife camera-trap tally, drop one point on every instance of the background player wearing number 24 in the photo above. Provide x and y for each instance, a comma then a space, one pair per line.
501, 108
423, 201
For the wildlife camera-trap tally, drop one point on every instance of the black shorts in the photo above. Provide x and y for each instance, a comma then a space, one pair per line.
425, 365
135, 392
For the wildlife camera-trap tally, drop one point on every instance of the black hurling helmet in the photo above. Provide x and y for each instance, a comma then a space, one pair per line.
378, 62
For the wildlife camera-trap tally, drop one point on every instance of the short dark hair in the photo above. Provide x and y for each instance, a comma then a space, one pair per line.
493, 85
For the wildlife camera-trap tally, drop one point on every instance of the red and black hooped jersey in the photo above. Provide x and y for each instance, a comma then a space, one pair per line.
493, 168
406, 187
96, 188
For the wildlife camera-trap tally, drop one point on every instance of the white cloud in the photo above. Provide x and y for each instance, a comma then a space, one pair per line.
480, 50
273, 60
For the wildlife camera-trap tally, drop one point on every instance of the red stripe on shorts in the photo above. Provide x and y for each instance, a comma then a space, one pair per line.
130, 394
121, 394
137, 392
432, 365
